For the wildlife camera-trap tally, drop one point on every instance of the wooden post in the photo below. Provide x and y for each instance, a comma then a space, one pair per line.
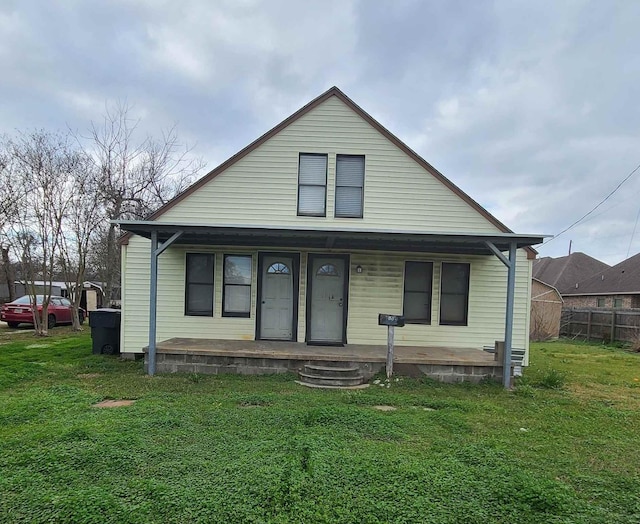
589, 325
613, 325
390, 330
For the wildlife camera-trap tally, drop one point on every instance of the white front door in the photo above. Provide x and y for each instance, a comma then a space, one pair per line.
276, 313
327, 299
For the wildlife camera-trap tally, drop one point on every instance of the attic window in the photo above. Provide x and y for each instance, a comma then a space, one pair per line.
349, 186
312, 185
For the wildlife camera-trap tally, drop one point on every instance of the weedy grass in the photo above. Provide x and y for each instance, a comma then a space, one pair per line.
561, 447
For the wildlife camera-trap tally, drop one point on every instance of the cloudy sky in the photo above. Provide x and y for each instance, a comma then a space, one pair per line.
530, 107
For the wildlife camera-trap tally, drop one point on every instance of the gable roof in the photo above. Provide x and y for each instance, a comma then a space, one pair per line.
564, 273
623, 278
333, 91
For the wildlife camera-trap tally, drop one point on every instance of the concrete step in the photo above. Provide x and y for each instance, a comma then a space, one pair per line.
321, 386
312, 378
332, 371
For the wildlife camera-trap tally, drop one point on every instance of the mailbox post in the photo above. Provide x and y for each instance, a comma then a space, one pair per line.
391, 321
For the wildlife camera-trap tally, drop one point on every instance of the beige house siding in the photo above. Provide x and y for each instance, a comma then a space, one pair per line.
399, 194
378, 289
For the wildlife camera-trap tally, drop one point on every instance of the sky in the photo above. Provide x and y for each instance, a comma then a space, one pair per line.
531, 108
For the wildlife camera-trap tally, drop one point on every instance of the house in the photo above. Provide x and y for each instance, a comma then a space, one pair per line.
287, 252
546, 311
612, 287
565, 273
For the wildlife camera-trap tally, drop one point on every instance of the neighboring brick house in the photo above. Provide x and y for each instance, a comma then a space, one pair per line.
613, 287
567, 273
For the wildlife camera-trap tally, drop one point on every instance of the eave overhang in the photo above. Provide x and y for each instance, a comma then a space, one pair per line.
334, 239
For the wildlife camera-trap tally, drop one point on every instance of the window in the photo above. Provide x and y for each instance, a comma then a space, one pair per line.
199, 285
454, 294
237, 286
418, 277
349, 186
278, 268
601, 302
327, 270
66, 302
617, 302
312, 185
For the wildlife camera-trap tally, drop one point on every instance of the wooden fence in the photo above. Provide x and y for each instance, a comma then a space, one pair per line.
601, 324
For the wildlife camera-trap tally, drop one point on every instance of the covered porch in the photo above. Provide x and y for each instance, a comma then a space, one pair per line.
502, 246
215, 356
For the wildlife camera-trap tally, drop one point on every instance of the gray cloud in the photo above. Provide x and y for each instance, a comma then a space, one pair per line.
531, 107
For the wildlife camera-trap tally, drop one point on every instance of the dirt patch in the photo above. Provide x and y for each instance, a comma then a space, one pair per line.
89, 375
113, 403
385, 408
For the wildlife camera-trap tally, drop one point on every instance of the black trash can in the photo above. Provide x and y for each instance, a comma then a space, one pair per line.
105, 331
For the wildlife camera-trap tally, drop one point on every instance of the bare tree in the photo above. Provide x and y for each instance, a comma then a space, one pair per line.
137, 176
80, 224
44, 162
10, 197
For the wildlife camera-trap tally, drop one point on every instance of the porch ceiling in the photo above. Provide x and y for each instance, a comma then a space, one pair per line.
343, 239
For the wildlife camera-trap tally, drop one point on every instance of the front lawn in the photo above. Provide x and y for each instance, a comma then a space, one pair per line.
562, 447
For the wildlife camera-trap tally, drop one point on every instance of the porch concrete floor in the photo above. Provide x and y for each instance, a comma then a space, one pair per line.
445, 356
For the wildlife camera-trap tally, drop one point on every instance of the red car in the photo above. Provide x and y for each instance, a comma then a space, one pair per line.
19, 311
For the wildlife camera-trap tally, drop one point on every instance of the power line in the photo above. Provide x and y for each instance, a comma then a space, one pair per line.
594, 208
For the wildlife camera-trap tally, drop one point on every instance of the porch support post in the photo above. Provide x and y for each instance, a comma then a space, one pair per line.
153, 303
508, 324
156, 250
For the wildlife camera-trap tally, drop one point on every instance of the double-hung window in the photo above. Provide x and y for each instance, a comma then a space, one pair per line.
312, 185
418, 277
349, 186
236, 300
454, 294
199, 284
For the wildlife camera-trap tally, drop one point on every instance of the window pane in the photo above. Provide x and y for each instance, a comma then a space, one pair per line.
200, 268
237, 299
348, 202
313, 169
455, 278
418, 276
311, 200
350, 170
200, 299
237, 270
453, 309
416, 306
278, 268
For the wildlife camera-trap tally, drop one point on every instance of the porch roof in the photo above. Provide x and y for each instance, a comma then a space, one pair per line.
329, 238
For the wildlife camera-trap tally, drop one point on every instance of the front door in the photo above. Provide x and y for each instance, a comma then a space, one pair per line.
277, 297
327, 303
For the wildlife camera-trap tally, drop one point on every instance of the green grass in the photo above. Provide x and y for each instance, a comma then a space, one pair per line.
562, 447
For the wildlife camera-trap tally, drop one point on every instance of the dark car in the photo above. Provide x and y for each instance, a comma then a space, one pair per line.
59, 312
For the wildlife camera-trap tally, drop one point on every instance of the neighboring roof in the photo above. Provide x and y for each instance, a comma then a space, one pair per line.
330, 238
334, 91
61, 285
621, 279
564, 273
